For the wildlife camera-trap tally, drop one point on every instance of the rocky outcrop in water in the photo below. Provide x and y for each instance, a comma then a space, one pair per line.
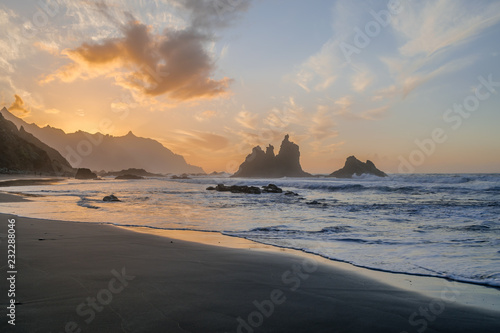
271, 188
235, 189
110, 198
84, 173
267, 165
131, 171
129, 177
353, 166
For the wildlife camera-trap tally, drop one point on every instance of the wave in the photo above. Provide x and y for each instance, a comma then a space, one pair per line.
495, 189
276, 228
492, 280
362, 188
84, 202
336, 229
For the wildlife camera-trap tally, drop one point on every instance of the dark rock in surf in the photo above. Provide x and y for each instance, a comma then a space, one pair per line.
83, 173
129, 177
110, 198
271, 188
353, 166
236, 189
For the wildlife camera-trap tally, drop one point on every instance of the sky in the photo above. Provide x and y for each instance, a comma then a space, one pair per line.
414, 86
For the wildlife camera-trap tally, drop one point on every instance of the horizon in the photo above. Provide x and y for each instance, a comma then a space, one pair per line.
407, 87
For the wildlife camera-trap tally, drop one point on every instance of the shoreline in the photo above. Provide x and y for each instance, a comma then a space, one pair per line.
172, 285
470, 293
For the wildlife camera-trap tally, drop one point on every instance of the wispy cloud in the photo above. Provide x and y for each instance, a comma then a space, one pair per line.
205, 115
248, 119
323, 126
319, 72
320, 149
361, 80
434, 26
201, 140
430, 32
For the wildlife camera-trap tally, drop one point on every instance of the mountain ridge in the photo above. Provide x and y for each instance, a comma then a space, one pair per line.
106, 152
22, 152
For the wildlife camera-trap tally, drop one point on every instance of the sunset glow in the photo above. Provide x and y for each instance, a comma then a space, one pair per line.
411, 85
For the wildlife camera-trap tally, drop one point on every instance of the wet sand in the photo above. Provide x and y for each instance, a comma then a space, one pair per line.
84, 277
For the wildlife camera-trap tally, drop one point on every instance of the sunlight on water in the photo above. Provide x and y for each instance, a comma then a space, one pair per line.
440, 225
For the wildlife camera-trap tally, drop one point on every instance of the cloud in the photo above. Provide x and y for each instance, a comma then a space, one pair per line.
224, 51
52, 111
320, 70
19, 108
279, 119
175, 63
375, 113
434, 26
430, 33
344, 104
248, 119
205, 115
361, 80
409, 81
214, 14
196, 140
49, 47
323, 126
320, 149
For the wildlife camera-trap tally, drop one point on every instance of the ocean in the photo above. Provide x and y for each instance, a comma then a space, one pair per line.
444, 225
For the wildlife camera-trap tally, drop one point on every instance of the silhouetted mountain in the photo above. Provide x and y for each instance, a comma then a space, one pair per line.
22, 152
267, 165
353, 166
98, 151
61, 165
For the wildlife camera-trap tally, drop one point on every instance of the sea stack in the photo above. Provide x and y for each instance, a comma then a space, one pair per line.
267, 165
353, 166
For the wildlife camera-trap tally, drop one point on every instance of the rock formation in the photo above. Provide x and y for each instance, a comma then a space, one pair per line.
132, 171
271, 188
235, 189
84, 173
128, 176
110, 198
353, 166
267, 165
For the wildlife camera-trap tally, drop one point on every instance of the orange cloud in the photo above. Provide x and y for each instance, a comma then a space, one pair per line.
175, 63
19, 107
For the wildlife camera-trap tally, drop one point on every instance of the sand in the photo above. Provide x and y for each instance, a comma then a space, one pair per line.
26, 181
86, 277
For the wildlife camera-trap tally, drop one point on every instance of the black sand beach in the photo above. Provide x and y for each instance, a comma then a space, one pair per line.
80, 277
